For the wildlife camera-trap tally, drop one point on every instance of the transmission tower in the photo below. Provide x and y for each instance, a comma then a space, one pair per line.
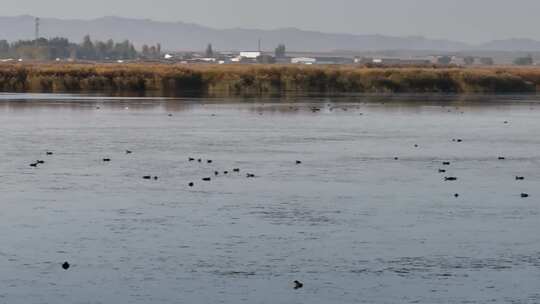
37, 28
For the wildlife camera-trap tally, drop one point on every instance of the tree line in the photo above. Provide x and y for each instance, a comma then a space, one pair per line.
62, 48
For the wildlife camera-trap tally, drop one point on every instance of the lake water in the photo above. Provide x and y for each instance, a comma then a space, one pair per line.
351, 222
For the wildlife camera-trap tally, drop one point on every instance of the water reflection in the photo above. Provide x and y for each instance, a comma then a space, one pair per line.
283, 105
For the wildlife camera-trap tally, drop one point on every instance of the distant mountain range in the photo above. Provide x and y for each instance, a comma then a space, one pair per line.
188, 36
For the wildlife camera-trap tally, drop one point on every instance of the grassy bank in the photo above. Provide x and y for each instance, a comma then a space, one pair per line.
262, 79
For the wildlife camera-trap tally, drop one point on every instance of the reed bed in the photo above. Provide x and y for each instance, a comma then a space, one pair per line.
261, 79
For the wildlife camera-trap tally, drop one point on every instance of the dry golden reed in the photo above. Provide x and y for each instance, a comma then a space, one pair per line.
262, 79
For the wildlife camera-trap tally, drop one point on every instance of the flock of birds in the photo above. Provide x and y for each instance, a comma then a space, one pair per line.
150, 177
453, 178
66, 265
298, 162
296, 284
216, 173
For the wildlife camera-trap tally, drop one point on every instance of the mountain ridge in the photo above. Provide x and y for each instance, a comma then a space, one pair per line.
191, 36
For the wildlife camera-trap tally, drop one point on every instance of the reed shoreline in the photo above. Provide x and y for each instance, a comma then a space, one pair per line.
170, 80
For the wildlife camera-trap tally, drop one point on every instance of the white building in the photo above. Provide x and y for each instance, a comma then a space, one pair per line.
393, 61
250, 54
303, 60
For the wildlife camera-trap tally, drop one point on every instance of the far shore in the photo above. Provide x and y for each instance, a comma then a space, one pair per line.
264, 79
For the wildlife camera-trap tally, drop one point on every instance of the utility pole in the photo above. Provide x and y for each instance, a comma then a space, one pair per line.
259, 45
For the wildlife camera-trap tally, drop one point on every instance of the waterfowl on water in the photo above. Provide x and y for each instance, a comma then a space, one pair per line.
502, 158
33, 164
209, 161
191, 184
236, 170
298, 162
40, 162
106, 159
129, 151
216, 173
147, 177
520, 178
450, 178
249, 175
442, 171
298, 284
456, 195
191, 159
49, 153
524, 195
446, 163
207, 179
65, 266
225, 172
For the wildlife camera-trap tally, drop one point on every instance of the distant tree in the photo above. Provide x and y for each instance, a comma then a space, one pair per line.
280, 51
124, 50
469, 60
486, 61
445, 60
132, 51
209, 51
100, 50
4, 48
153, 52
528, 60
56, 48
110, 46
51, 49
86, 50
145, 51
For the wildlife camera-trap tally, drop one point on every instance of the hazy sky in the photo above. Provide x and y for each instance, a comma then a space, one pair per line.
465, 20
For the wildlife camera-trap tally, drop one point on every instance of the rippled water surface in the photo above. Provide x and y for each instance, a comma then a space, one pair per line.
352, 222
